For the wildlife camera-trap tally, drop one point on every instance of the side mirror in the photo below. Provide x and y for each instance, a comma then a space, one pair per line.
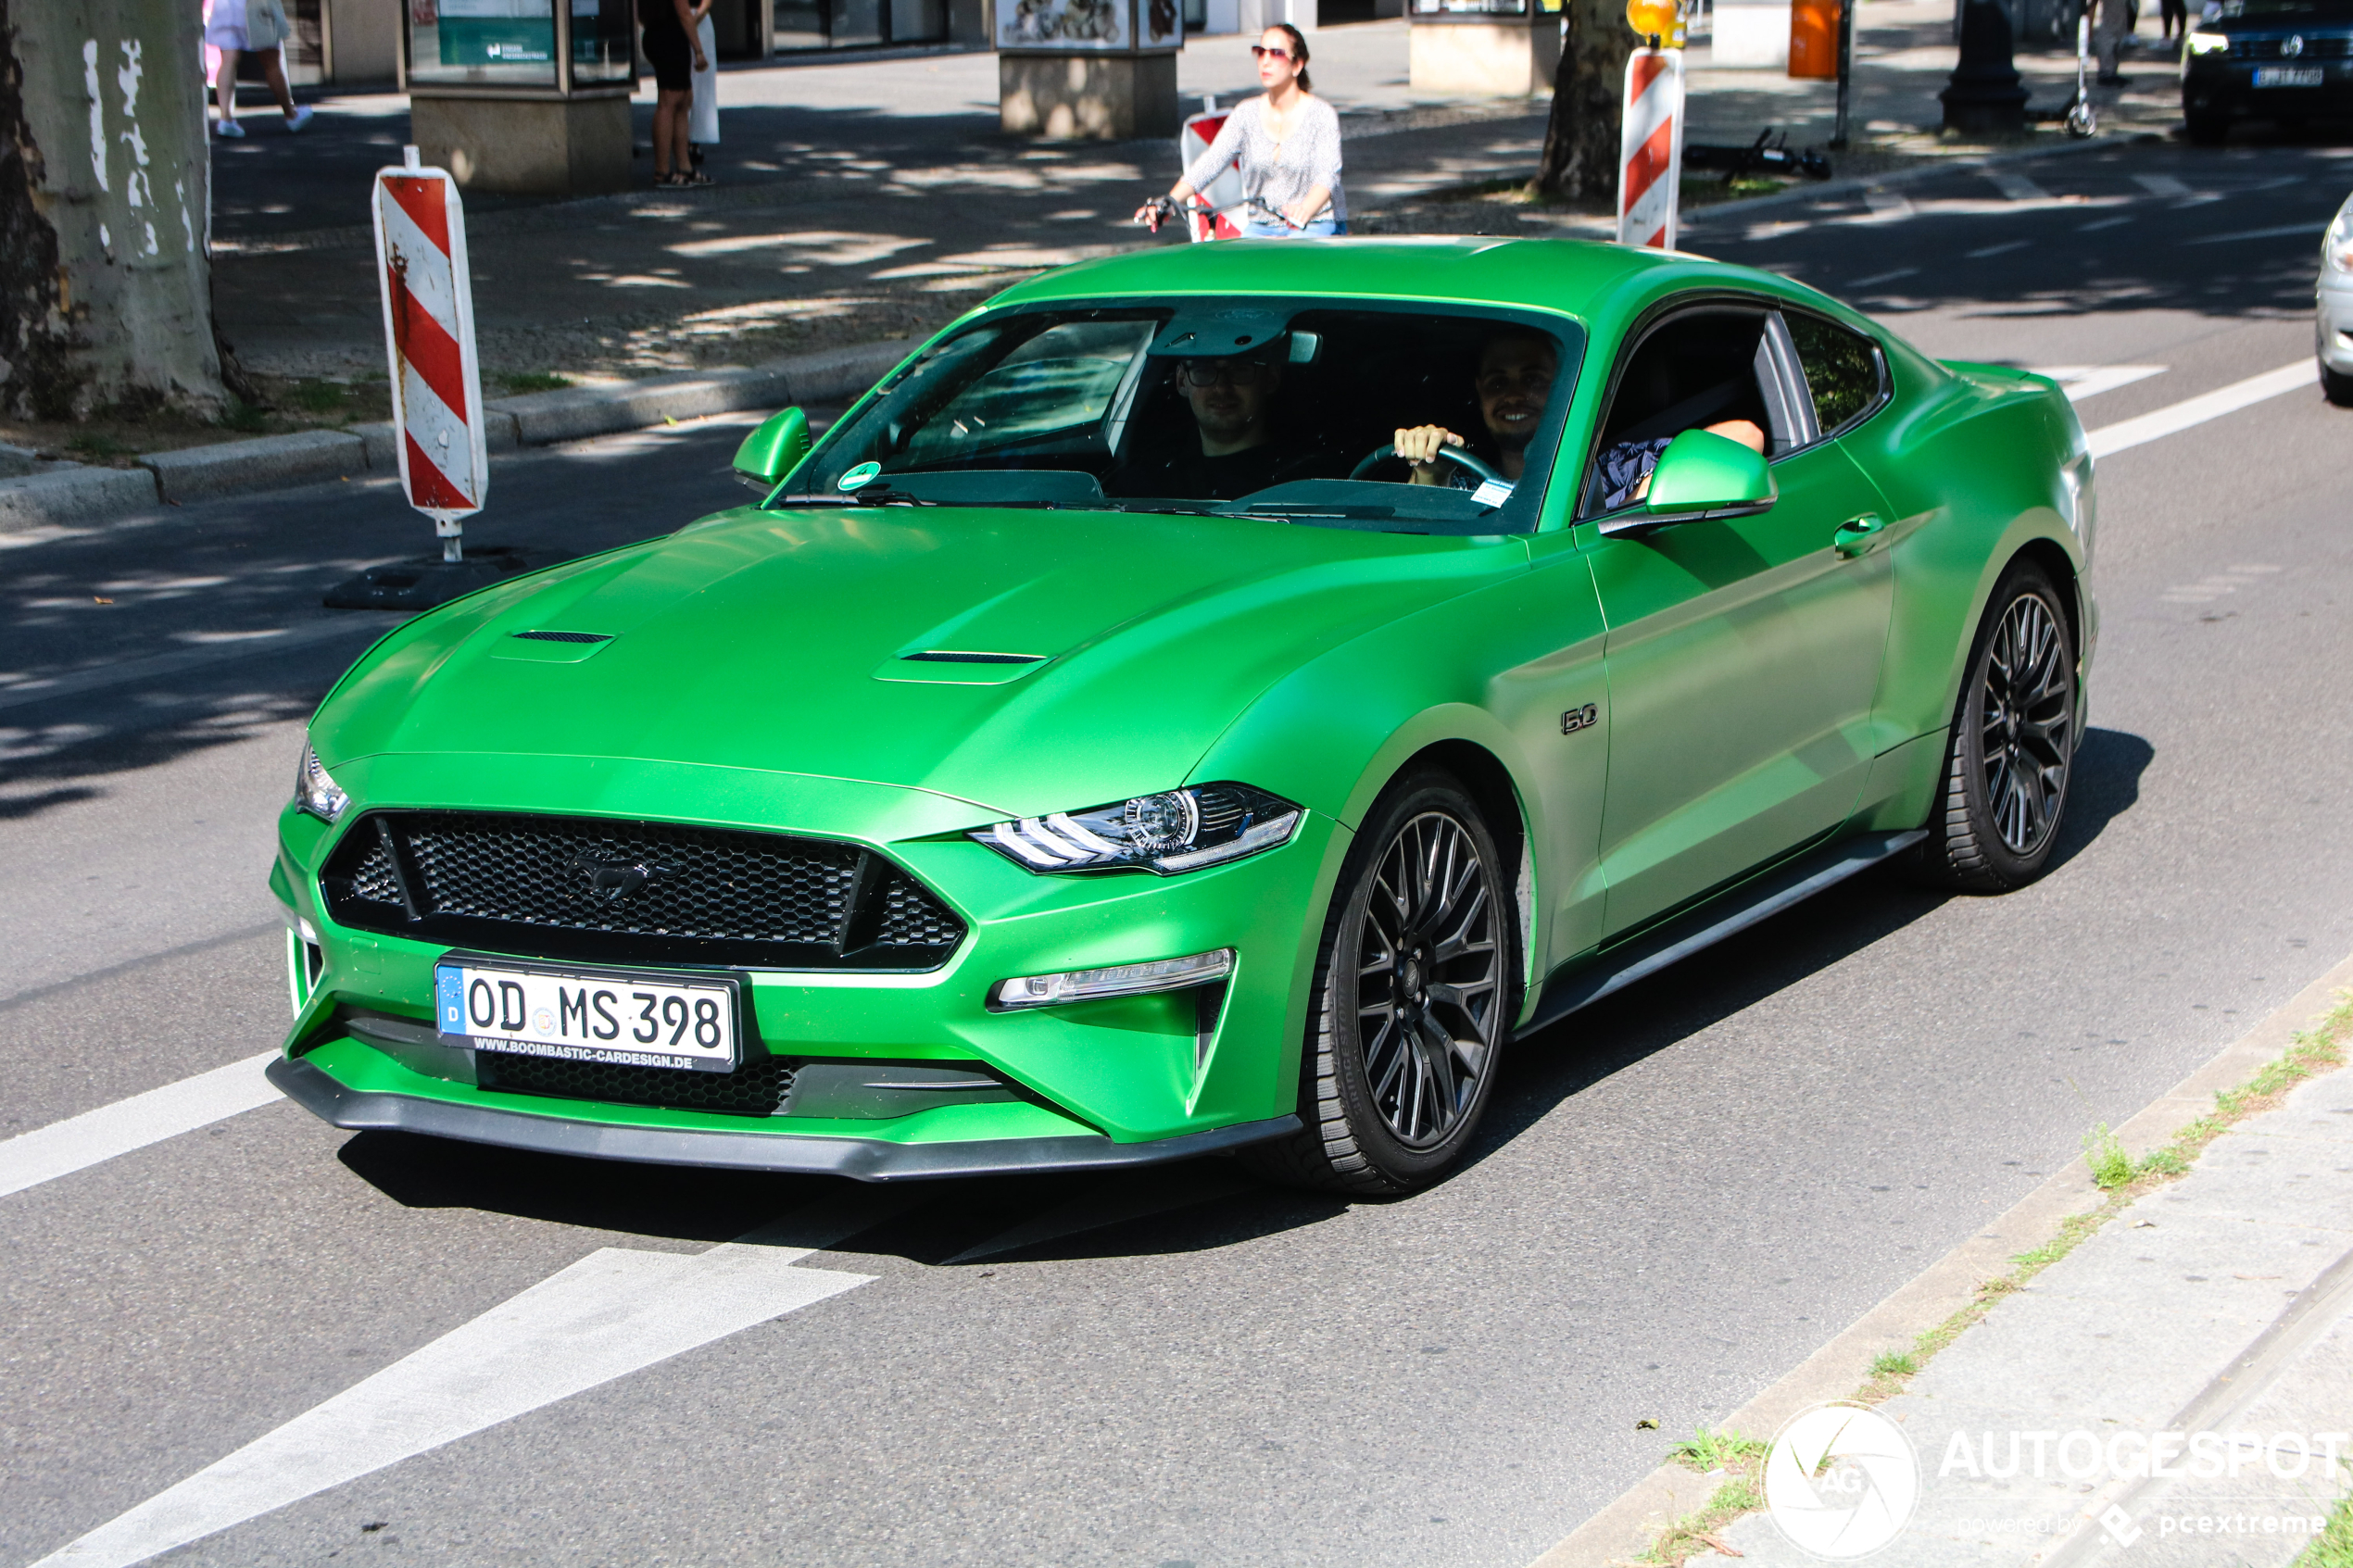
1703, 475
770, 453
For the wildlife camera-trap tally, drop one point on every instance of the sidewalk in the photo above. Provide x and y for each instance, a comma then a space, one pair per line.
2218, 1306
867, 204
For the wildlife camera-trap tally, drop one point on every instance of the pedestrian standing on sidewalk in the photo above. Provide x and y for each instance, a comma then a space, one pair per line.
2173, 21
2116, 20
673, 46
703, 120
1287, 145
238, 28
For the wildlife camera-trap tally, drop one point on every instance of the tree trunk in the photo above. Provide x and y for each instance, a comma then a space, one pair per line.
105, 285
1580, 142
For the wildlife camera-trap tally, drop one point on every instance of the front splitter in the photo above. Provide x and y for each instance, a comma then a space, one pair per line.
866, 1159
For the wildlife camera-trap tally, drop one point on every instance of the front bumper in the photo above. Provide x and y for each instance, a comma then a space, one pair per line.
2220, 86
2332, 322
1161, 1075
866, 1159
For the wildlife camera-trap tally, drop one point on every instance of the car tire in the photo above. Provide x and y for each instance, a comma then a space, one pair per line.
2206, 129
2337, 386
1393, 1113
2012, 751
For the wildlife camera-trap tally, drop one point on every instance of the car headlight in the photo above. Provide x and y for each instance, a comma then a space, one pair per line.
2208, 43
1177, 830
2336, 245
314, 791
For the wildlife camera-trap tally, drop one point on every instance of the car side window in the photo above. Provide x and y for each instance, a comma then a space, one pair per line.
1705, 367
1842, 370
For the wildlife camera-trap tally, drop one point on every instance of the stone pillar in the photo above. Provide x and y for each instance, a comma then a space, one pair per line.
1086, 97
1501, 57
524, 145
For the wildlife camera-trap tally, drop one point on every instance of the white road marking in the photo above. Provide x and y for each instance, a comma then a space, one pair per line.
2103, 223
2162, 185
2016, 187
79, 1142
1886, 205
1984, 251
40, 688
2275, 231
1882, 277
613, 1312
2110, 439
2079, 381
2207, 589
1109, 1204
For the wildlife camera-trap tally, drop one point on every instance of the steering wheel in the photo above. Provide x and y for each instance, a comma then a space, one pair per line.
1387, 449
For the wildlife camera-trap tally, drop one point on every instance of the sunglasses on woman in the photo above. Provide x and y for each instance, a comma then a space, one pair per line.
1262, 51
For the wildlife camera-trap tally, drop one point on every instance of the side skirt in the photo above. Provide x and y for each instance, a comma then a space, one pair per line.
1734, 911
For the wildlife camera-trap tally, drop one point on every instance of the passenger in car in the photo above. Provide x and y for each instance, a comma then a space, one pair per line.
1514, 378
1234, 451
1626, 465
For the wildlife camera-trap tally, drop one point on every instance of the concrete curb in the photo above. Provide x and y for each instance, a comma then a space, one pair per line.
70, 495
268, 462
76, 495
1834, 1372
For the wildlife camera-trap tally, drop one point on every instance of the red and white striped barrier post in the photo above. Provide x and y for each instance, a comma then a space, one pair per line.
1649, 156
428, 334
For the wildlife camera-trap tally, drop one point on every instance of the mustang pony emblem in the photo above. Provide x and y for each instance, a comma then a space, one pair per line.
614, 877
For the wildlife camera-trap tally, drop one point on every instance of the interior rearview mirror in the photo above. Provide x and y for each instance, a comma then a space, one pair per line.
1702, 474
770, 453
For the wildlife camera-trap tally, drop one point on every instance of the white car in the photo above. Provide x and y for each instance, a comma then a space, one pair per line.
2332, 312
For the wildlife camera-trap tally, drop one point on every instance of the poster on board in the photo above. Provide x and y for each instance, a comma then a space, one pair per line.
1070, 26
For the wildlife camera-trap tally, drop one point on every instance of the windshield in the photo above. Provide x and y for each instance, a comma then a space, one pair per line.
1240, 407
2287, 10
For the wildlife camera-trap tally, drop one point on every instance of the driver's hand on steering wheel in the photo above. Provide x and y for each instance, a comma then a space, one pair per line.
1420, 446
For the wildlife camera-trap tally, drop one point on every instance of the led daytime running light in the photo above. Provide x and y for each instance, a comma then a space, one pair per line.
314, 791
1174, 830
1120, 980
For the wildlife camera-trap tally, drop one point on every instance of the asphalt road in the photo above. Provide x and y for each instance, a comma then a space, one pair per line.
1679, 1194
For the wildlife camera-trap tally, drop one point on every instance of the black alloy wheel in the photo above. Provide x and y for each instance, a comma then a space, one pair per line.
1414, 994
2013, 745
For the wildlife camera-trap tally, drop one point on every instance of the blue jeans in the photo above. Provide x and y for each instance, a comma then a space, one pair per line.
1268, 229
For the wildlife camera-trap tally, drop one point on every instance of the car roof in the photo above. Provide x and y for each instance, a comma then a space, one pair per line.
1581, 278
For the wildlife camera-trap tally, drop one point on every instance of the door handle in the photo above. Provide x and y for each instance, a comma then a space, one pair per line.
1855, 535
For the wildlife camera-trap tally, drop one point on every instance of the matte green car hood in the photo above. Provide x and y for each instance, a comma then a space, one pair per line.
775, 640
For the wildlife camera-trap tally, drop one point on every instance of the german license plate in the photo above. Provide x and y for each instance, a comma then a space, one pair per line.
2288, 76
633, 1020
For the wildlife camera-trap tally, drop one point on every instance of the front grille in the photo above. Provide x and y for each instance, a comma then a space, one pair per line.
758, 1087
2269, 49
632, 892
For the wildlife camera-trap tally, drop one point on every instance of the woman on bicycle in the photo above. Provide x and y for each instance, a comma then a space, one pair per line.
1288, 145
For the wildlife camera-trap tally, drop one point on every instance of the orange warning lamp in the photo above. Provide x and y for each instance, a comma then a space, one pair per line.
1654, 18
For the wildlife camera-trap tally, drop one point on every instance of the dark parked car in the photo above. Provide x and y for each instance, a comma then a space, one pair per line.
2272, 59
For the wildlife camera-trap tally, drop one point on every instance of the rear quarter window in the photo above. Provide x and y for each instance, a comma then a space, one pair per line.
1842, 369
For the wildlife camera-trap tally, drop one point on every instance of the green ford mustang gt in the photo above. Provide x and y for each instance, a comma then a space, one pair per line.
1213, 699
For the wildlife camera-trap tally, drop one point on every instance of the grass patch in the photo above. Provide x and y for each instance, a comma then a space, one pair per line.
2333, 1546
1706, 1451
2310, 1053
534, 381
245, 417
94, 443
317, 396
2103, 1152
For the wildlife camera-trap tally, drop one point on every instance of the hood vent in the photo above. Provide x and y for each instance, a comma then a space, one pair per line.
951, 655
564, 636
